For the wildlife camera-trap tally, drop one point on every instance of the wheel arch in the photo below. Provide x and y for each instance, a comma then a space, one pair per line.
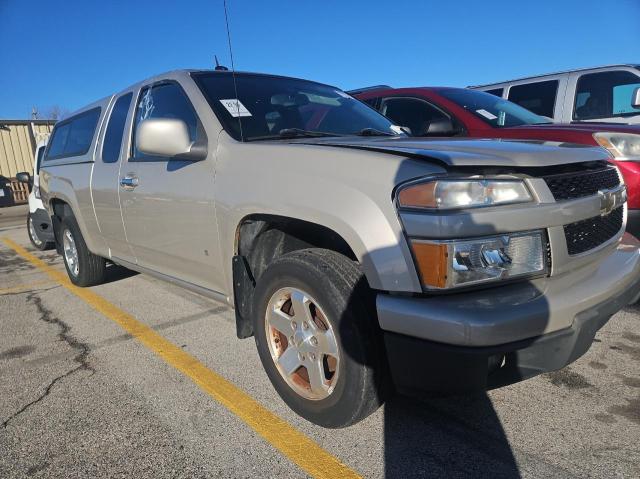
59, 209
262, 238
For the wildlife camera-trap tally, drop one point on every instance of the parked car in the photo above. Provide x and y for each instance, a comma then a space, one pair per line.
353, 254
6, 193
38, 220
608, 93
461, 112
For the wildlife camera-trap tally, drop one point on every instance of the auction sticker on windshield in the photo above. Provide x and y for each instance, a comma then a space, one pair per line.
235, 107
486, 114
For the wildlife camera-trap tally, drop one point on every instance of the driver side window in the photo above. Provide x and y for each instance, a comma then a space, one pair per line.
164, 100
413, 113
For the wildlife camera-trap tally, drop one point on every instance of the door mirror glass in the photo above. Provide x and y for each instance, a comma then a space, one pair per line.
635, 98
167, 137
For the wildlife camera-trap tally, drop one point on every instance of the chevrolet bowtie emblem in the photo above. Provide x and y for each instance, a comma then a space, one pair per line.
611, 199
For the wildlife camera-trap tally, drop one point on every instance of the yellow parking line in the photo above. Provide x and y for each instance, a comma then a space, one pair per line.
299, 448
23, 287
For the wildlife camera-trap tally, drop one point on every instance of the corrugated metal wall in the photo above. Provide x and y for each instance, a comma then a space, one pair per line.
17, 145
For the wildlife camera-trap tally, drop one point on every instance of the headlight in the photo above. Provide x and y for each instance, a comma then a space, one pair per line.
451, 264
468, 193
622, 146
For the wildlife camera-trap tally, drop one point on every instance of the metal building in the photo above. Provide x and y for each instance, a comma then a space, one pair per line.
18, 140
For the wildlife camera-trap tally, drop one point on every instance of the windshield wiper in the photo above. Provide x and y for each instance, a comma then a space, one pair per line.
295, 132
374, 132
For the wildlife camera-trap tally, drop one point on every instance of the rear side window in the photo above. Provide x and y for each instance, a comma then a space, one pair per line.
537, 97
605, 95
115, 129
165, 100
496, 92
73, 137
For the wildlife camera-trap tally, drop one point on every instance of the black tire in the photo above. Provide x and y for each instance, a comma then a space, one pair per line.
36, 242
341, 291
91, 268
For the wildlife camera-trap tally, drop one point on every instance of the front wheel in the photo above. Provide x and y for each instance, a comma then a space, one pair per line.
83, 267
318, 338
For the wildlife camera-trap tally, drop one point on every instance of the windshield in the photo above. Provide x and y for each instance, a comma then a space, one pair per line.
274, 107
491, 109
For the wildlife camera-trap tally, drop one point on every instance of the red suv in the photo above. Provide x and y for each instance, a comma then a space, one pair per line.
461, 112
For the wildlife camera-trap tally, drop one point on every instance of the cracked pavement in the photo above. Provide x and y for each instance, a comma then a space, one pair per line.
79, 397
80, 358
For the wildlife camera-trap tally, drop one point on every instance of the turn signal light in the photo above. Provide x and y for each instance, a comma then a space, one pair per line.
451, 264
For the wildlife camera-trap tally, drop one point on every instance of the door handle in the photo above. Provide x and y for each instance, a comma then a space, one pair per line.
129, 182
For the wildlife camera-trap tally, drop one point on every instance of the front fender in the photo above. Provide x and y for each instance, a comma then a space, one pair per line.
347, 191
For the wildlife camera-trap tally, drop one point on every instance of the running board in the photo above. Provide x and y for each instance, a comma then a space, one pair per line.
209, 293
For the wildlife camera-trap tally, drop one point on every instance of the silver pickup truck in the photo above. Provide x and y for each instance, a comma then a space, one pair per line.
362, 261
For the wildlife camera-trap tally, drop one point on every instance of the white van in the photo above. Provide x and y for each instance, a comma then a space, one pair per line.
609, 93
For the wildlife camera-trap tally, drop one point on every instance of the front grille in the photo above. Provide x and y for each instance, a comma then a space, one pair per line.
587, 234
569, 186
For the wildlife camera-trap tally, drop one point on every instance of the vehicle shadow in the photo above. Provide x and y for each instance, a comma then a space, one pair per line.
116, 273
455, 436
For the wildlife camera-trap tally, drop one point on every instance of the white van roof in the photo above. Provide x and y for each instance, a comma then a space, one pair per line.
532, 77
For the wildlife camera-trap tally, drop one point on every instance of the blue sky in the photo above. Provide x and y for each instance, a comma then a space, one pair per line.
72, 52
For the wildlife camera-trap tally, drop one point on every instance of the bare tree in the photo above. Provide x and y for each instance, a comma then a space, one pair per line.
55, 112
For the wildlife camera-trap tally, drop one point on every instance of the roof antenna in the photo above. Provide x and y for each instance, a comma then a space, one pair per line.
233, 68
220, 68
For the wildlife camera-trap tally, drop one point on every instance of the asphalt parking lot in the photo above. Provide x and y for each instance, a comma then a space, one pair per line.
13, 216
140, 378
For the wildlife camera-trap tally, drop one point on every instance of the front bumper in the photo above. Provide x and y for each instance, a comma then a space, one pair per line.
493, 337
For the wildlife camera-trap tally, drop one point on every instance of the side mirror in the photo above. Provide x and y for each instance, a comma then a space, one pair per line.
441, 127
24, 177
635, 98
168, 137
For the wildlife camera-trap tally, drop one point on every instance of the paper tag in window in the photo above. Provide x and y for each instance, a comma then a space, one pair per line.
1, 192
488, 115
235, 107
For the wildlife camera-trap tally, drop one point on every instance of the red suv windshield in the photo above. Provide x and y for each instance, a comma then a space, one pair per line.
491, 109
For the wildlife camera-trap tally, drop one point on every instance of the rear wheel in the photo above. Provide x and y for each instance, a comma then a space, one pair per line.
34, 238
318, 338
83, 267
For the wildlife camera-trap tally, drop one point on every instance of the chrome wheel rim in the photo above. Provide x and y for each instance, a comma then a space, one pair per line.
302, 343
70, 252
33, 234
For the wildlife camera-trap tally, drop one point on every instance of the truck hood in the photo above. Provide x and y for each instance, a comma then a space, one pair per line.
466, 152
